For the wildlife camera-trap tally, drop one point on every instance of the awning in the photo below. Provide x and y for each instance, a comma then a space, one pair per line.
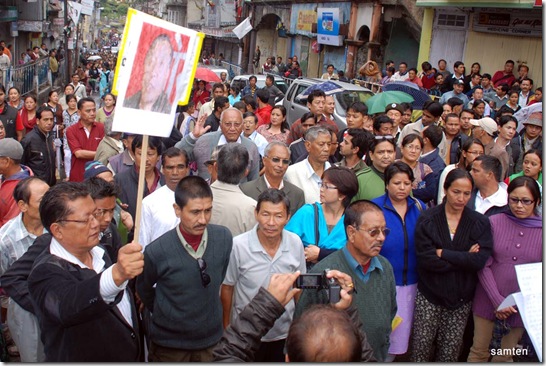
510, 4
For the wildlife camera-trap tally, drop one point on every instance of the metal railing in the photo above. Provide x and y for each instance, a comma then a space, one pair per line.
30, 77
375, 87
233, 69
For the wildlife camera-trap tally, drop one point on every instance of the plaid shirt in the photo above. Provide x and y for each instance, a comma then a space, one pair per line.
14, 242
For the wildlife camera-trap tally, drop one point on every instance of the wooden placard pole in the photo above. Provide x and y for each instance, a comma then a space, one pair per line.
141, 183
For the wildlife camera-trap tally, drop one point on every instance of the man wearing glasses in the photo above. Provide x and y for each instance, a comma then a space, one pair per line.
372, 274
83, 306
199, 144
276, 161
180, 284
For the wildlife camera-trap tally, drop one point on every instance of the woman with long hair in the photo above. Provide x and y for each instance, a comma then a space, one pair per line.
27, 115
337, 189
517, 239
108, 109
412, 145
8, 115
70, 117
401, 212
479, 108
452, 243
507, 126
15, 100
513, 99
277, 129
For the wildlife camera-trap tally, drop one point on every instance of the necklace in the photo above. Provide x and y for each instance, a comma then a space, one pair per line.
451, 230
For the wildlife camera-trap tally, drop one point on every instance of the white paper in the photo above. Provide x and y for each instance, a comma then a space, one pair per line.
242, 29
529, 278
509, 301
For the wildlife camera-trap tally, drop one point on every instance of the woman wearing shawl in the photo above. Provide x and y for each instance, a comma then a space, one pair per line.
370, 72
517, 239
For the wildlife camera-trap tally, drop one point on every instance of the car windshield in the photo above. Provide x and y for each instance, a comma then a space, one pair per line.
347, 98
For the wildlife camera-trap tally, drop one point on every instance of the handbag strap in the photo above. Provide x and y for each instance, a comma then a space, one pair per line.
317, 234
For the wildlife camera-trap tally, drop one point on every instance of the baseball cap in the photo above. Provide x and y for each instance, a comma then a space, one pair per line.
395, 106
534, 119
488, 124
94, 168
11, 148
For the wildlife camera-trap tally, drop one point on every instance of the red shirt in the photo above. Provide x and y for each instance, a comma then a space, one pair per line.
264, 115
78, 140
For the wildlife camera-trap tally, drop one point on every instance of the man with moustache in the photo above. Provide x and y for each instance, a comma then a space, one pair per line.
372, 274
180, 285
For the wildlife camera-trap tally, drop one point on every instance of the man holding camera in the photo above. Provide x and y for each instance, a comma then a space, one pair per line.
310, 336
374, 285
256, 255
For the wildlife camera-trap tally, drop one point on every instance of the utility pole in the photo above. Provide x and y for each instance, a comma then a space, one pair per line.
66, 54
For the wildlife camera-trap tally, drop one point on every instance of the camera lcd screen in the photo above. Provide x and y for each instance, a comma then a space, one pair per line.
309, 280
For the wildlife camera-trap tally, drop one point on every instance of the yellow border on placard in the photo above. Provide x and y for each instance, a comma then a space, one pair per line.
200, 39
121, 52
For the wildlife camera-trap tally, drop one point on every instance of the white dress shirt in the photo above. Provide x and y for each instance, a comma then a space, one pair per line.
158, 215
303, 176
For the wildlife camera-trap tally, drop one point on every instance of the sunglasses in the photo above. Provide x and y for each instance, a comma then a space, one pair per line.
205, 278
375, 232
524, 201
278, 160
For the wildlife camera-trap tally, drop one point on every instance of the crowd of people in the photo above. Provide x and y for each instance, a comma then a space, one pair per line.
418, 224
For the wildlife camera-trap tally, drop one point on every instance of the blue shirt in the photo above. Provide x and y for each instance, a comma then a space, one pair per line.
357, 268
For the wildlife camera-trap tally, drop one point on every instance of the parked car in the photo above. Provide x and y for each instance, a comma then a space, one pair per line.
242, 80
296, 106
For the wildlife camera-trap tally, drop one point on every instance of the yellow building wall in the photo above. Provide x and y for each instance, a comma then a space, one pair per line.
492, 51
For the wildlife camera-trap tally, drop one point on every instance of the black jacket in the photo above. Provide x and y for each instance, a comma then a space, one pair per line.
242, 339
493, 210
456, 148
8, 117
450, 281
76, 324
39, 155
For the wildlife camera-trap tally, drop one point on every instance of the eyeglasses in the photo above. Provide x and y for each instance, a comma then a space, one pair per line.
278, 160
205, 278
374, 232
232, 124
100, 212
475, 152
524, 201
94, 215
326, 186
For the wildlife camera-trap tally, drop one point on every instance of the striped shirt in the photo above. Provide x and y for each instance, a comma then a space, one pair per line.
14, 242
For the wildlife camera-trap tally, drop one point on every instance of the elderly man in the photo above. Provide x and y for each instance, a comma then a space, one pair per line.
11, 172
375, 295
276, 161
15, 239
157, 209
232, 208
183, 271
84, 138
307, 174
81, 300
199, 144
256, 255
